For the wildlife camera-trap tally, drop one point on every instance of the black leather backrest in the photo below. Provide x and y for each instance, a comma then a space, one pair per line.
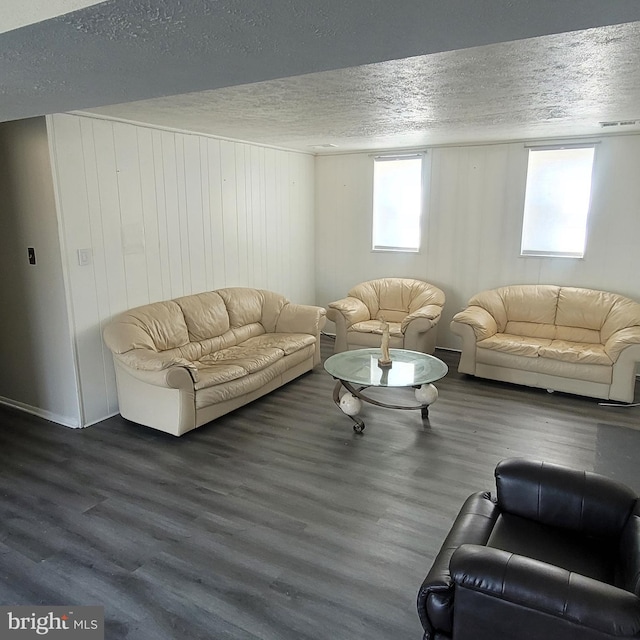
563, 497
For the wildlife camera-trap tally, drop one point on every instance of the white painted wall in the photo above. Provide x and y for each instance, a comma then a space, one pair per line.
471, 239
37, 373
165, 214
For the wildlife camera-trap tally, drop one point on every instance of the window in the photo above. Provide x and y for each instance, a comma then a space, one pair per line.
397, 202
556, 201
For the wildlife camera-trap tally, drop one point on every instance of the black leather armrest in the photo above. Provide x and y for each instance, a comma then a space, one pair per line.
513, 592
563, 497
473, 525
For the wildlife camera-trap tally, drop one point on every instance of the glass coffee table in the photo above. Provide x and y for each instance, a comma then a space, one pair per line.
358, 370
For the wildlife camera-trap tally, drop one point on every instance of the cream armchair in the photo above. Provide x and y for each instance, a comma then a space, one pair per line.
411, 307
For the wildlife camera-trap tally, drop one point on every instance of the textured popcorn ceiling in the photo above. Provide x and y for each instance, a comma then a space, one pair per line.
558, 85
358, 74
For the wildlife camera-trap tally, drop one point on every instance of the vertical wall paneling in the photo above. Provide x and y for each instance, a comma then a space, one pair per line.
240, 214
174, 228
158, 217
131, 214
194, 213
474, 220
205, 196
150, 214
167, 214
270, 220
97, 236
229, 217
256, 196
214, 159
76, 185
282, 203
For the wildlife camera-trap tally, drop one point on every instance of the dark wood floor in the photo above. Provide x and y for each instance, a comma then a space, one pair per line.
276, 522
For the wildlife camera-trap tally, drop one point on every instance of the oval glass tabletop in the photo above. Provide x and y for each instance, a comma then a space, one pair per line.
408, 369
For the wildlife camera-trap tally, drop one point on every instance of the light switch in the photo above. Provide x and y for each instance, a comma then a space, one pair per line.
31, 254
84, 257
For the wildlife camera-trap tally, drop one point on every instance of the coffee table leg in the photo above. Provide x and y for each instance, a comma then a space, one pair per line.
358, 426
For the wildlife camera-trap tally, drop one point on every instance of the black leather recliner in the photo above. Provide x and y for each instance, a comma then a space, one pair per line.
555, 554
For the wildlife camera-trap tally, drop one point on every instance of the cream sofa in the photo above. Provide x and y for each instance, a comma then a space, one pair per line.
184, 362
411, 307
567, 339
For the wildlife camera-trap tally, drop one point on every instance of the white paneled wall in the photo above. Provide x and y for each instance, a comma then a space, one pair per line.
163, 214
471, 239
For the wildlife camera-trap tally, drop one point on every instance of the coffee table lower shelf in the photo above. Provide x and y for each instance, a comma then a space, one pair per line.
359, 425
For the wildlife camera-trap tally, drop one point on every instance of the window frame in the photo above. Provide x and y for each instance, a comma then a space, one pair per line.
392, 157
546, 253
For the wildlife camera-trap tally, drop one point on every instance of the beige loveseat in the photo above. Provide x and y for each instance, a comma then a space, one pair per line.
184, 362
567, 339
411, 307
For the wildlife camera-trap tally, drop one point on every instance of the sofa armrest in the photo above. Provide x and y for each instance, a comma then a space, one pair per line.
158, 369
301, 318
620, 340
473, 524
483, 323
467, 363
562, 497
430, 312
352, 309
506, 593
623, 382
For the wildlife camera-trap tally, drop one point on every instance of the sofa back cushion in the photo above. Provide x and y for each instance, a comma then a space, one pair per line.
558, 313
582, 313
159, 326
624, 313
195, 325
395, 298
248, 307
531, 304
523, 310
205, 315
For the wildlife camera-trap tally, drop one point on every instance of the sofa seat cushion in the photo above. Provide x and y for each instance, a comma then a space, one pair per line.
288, 343
217, 373
564, 350
576, 352
516, 345
234, 362
254, 354
491, 359
531, 329
251, 382
374, 326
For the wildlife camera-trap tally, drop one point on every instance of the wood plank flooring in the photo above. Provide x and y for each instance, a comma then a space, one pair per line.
276, 522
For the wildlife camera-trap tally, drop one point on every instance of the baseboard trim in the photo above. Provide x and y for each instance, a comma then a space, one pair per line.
99, 420
65, 421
